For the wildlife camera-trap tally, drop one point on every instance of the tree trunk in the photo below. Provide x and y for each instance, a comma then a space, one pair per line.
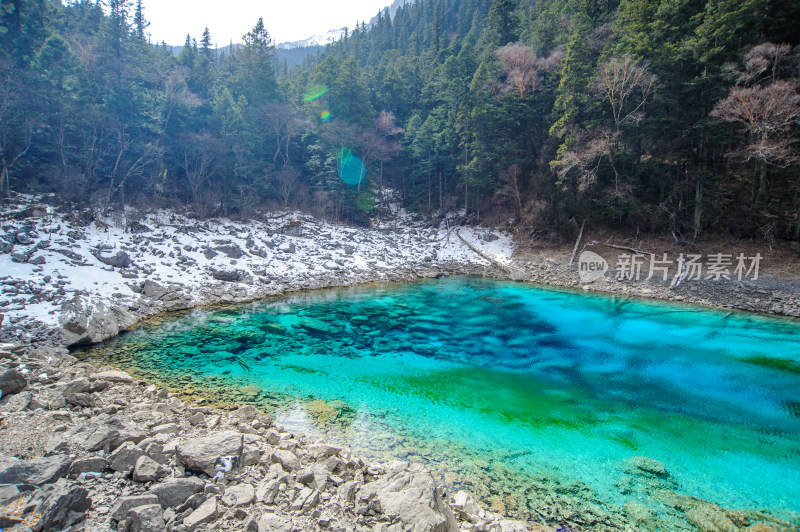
762, 183
698, 205
5, 188
441, 194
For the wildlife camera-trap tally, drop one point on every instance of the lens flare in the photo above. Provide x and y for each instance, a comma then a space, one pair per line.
325, 115
317, 91
351, 168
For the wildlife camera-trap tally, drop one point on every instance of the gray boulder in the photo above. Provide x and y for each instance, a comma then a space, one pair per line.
204, 514
239, 495
231, 250
408, 492
148, 518
175, 492
123, 505
104, 434
81, 385
202, 454
61, 506
23, 239
17, 402
287, 459
83, 323
125, 457
153, 290
120, 260
270, 522
38, 472
12, 381
267, 491
226, 275
93, 464
7, 491
83, 400
148, 470
113, 375
20, 257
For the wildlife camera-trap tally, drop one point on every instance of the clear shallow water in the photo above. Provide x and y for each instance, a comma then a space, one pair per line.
506, 381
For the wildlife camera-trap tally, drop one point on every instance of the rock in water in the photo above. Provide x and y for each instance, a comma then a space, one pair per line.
202, 454
321, 411
649, 465
319, 327
113, 375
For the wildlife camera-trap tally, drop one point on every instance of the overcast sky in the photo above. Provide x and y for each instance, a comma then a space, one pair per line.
286, 20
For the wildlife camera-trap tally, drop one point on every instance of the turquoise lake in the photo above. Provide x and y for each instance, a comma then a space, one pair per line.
498, 384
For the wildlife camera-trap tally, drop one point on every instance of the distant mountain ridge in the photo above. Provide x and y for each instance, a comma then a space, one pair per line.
293, 52
315, 40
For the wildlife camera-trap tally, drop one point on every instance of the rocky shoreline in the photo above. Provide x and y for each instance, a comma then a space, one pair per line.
770, 294
95, 449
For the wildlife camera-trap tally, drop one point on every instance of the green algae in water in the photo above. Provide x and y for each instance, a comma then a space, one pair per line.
779, 364
491, 376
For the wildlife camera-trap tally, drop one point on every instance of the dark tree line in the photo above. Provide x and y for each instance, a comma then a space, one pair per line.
662, 115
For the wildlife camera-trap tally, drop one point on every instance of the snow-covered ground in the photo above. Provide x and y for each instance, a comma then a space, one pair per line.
50, 256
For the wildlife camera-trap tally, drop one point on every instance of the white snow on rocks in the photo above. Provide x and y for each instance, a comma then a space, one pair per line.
53, 267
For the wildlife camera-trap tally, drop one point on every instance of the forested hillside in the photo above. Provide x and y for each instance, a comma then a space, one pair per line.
656, 115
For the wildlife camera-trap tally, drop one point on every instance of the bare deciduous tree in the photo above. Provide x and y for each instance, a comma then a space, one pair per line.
768, 114
510, 189
281, 122
386, 124
589, 151
127, 166
763, 61
287, 182
627, 85
520, 67
767, 109
199, 158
